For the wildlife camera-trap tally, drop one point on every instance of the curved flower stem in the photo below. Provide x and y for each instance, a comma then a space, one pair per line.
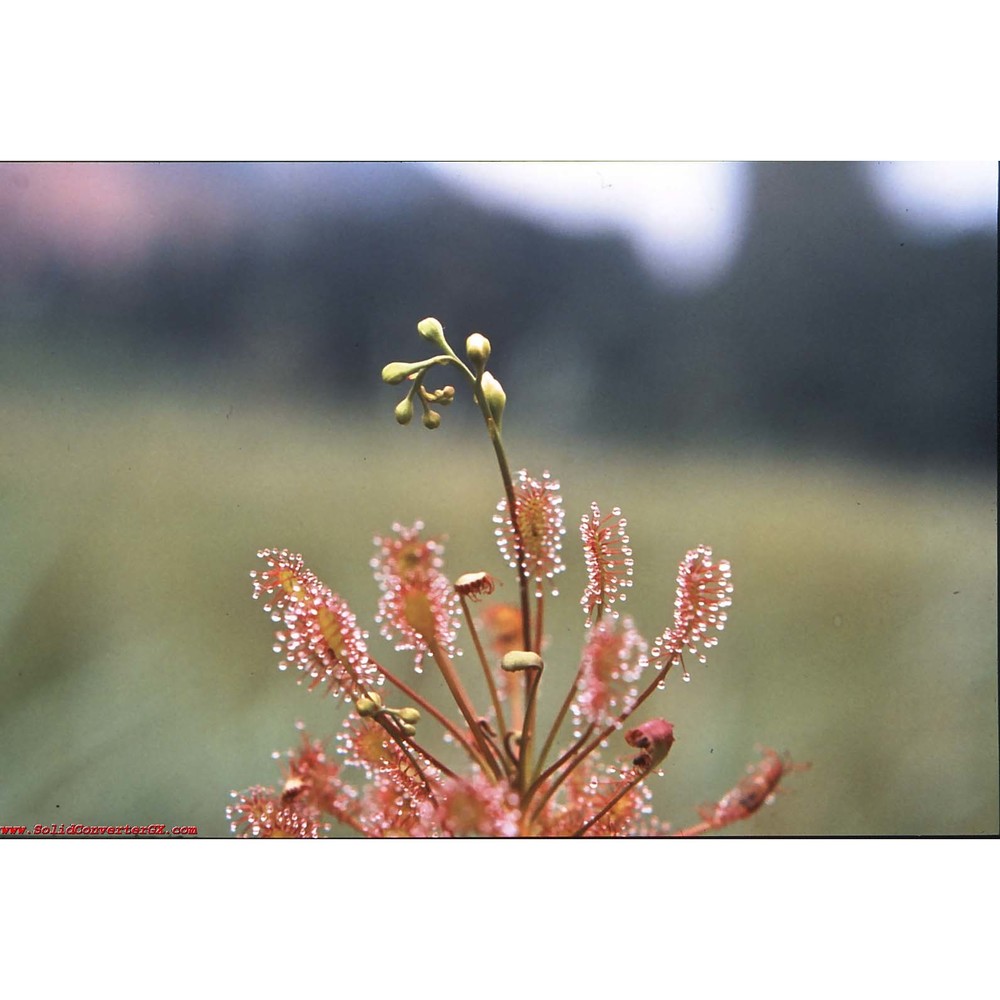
494, 695
612, 802
522, 581
508, 486
451, 678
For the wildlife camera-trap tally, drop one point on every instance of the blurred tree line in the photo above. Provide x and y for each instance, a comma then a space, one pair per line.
835, 329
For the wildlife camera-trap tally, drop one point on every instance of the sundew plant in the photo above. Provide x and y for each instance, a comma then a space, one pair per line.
402, 766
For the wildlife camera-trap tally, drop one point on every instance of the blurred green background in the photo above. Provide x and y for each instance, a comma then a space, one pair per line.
138, 683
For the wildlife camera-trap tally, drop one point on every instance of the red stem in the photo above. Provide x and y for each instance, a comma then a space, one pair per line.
596, 742
610, 804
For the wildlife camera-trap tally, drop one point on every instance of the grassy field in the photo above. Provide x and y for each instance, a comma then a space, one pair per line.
139, 684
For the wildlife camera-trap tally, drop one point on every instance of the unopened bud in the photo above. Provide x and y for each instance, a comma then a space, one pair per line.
432, 420
408, 729
496, 398
404, 412
477, 347
521, 659
410, 715
430, 329
396, 371
369, 705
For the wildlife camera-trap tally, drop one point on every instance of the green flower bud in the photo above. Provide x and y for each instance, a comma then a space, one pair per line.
408, 729
368, 706
410, 715
477, 347
430, 329
496, 398
404, 412
432, 420
396, 371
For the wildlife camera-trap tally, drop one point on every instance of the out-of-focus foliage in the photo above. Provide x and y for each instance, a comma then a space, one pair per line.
836, 328
140, 686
